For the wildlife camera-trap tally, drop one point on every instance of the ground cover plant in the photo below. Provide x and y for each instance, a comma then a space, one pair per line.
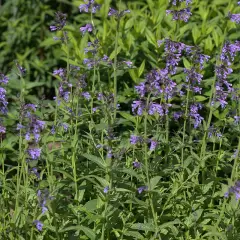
141, 137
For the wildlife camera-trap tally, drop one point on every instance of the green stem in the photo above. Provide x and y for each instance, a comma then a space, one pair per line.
115, 68
185, 123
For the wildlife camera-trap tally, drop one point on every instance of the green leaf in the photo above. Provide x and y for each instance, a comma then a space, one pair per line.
143, 227
30, 85
141, 68
89, 232
96, 160
186, 63
134, 234
153, 182
150, 37
128, 116
133, 74
208, 44
200, 98
196, 33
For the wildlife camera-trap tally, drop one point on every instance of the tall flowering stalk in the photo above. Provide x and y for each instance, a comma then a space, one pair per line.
118, 15
222, 70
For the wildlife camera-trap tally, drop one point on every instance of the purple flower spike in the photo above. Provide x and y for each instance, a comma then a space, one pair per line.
183, 14
34, 153
235, 190
87, 28
86, 95
39, 225
234, 17
141, 189
89, 6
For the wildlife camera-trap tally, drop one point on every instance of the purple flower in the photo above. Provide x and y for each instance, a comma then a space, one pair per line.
88, 27
153, 145
139, 106
156, 108
109, 154
3, 79
43, 197
175, 2
141, 189
53, 28
235, 190
135, 139
234, 17
177, 115
2, 129
193, 76
94, 109
90, 62
229, 52
236, 119
141, 89
86, 95
136, 164
235, 154
39, 225
60, 72
128, 63
195, 115
183, 14
112, 12
34, 153
106, 189
60, 21
89, 6
31, 106
3, 101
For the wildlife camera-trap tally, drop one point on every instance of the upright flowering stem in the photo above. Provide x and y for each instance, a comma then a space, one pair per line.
75, 147
21, 159
212, 96
154, 214
115, 68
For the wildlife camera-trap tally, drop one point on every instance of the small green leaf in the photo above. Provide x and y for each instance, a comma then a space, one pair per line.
141, 68
154, 181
